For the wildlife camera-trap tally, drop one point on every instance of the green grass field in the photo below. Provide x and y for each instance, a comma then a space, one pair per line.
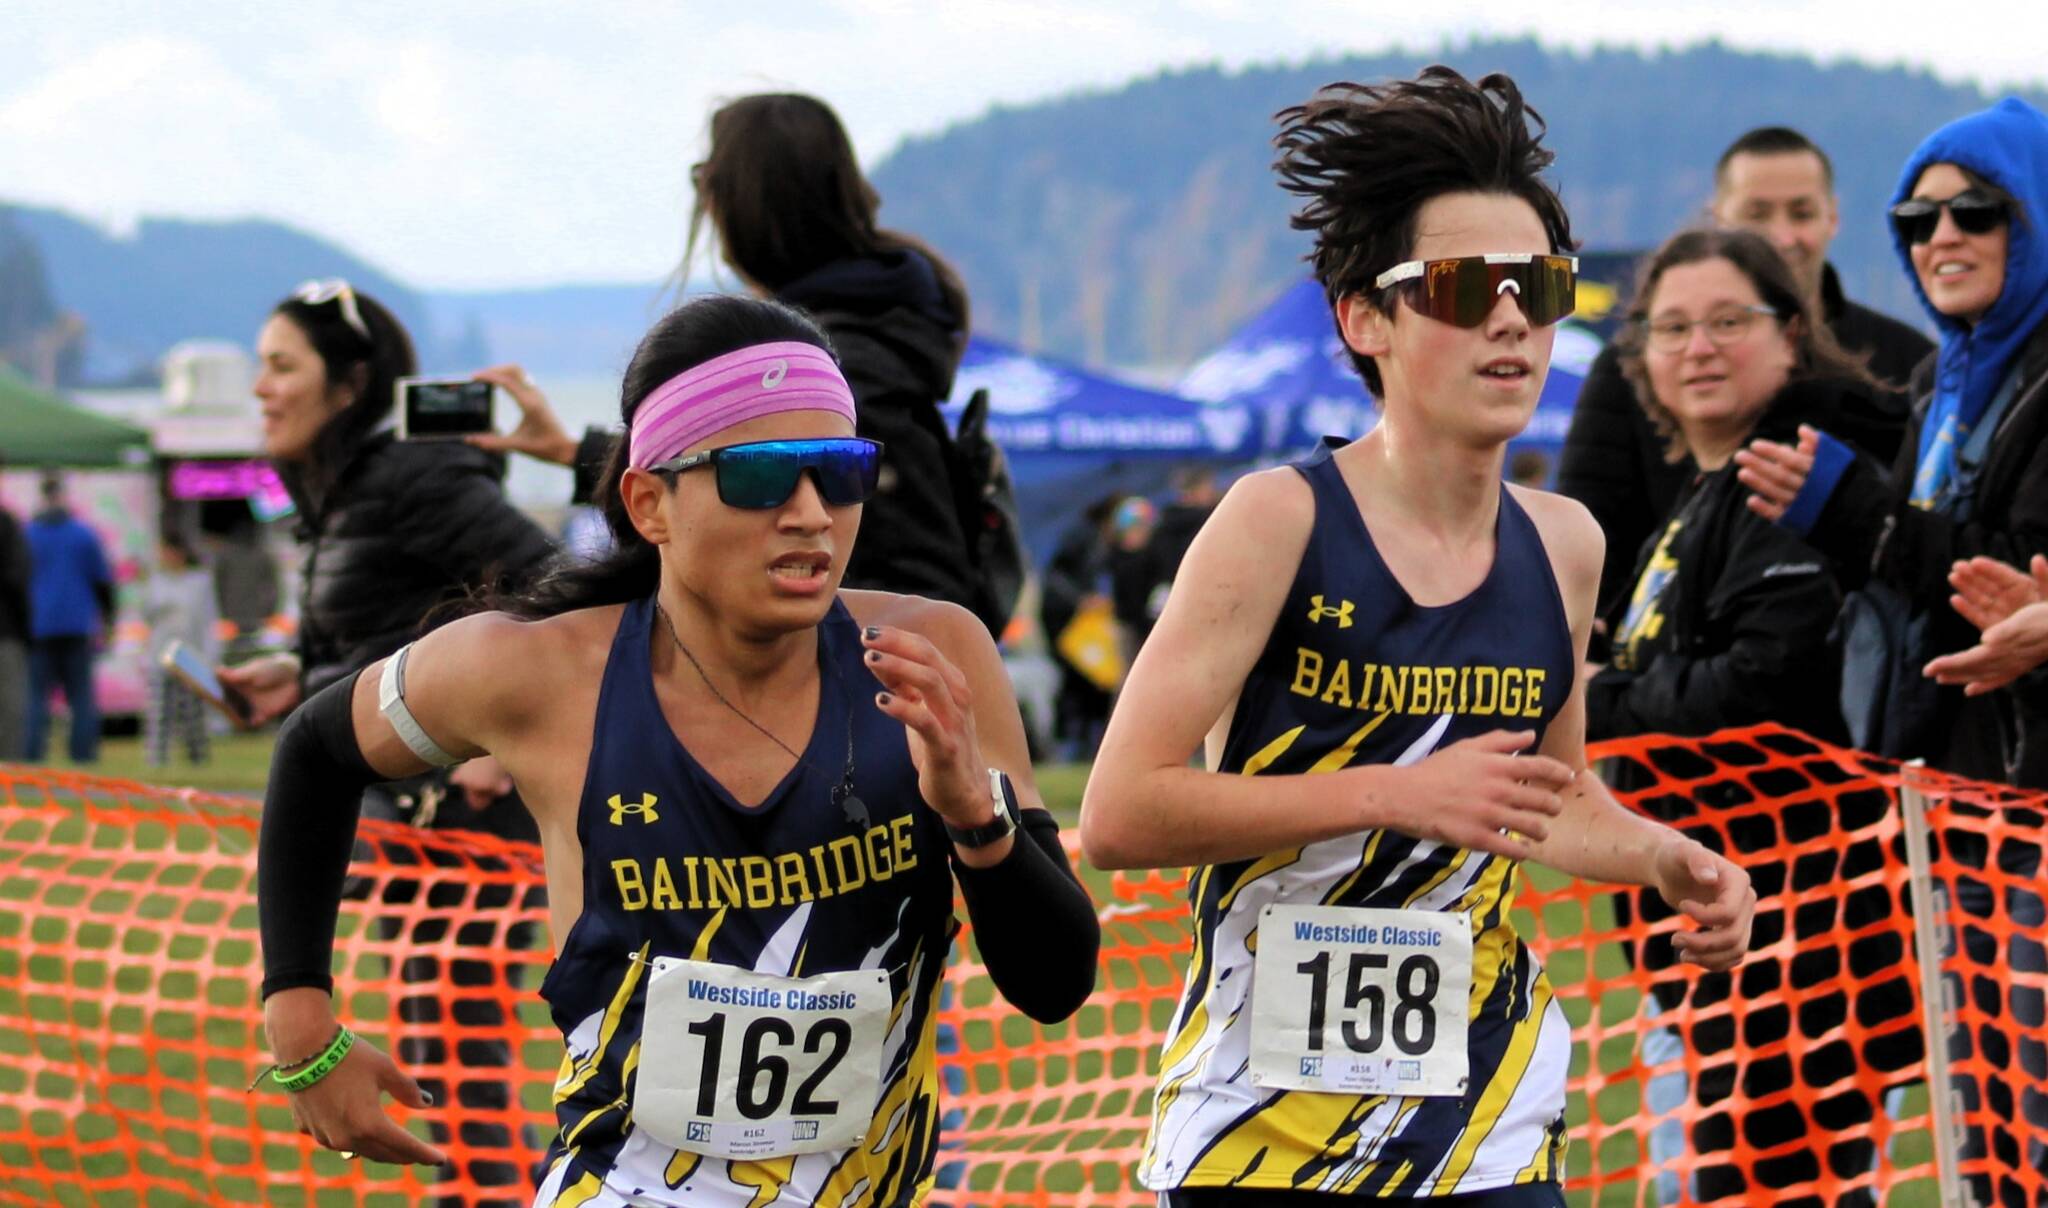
32, 1024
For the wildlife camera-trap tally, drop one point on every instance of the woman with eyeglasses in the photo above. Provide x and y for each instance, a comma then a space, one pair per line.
1727, 625
390, 531
1379, 648
1970, 224
1728, 620
755, 793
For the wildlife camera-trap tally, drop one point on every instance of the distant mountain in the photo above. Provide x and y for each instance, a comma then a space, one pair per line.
177, 279
1138, 225
1131, 226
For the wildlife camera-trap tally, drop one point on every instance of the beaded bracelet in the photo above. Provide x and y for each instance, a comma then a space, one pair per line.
315, 1068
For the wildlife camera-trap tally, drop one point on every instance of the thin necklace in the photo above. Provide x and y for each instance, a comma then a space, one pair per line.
853, 807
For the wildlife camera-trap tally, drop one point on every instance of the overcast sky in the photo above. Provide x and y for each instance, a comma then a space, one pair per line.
464, 144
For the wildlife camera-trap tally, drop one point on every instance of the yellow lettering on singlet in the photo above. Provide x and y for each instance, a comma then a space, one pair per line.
721, 875
1421, 690
759, 875
1446, 684
878, 852
849, 878
825, 888
1308, 672
793, 884
1535, 703
1393, 690
632, 890
1338, 690
664, 895
903, 859
1511, 691
1485, 691
690, 879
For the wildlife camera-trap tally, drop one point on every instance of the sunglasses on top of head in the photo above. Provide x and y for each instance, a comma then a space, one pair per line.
1463, 290
1974, 212
334, 289
764, 473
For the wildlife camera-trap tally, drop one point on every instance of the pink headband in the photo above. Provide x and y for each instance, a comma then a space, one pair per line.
761, 379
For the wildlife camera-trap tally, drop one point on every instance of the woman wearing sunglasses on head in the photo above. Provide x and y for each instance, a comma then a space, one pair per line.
1970, 223
390, 531
1379, 647
754, 791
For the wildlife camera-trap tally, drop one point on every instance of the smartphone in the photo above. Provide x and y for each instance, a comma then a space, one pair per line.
197, 674
443, 408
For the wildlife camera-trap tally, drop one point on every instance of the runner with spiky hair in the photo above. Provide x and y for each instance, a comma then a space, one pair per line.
1381, 647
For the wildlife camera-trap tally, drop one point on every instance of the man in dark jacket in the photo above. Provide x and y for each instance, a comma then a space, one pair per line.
1776, 182
71, 605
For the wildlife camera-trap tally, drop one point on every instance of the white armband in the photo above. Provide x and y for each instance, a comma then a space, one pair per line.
391, 703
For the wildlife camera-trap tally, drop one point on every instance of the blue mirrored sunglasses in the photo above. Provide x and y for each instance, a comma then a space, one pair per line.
764, 474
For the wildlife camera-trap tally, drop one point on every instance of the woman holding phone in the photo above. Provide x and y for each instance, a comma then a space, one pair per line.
755, 793
389, 530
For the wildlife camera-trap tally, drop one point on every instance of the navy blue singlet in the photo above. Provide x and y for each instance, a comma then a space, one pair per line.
674, 866
1356, 672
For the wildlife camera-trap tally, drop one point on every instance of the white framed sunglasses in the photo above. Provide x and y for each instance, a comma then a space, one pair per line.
334, 289
1462, 290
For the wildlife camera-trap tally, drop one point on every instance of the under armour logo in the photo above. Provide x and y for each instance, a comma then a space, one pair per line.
1342, 612
643, 807
773, 378
1508, 284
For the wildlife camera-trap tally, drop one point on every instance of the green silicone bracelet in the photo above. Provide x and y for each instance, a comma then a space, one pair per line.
322, 1066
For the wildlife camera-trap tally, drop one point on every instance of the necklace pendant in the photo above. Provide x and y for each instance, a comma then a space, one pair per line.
856, 811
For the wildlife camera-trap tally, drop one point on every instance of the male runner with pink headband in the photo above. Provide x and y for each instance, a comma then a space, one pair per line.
762, 379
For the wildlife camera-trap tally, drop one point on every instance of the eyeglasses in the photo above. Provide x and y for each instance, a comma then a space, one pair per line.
1723, 327
764, 474
334, 289
1463, 291
1974, 211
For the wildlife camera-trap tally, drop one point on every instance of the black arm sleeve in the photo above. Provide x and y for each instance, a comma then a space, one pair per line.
591, 453
317, 778
1034, 922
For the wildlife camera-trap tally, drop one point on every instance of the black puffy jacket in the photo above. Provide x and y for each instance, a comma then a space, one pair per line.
899, 344
404, 527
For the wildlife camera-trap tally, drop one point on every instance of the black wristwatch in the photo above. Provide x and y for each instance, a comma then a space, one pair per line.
1001, 826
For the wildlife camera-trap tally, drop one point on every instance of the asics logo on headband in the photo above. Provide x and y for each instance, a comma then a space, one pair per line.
751, 382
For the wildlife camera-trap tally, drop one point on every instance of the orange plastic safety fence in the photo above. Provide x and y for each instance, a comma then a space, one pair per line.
129, 1023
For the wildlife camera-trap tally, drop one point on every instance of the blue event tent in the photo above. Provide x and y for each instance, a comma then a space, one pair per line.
1288, 365
1043, 408
1072, 436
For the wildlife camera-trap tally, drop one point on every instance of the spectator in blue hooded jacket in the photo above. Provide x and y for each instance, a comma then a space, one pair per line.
71, 605
1970, 224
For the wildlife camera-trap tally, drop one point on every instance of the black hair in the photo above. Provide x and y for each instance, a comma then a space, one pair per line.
369, 366
1773, 140
1765, 269
699, 330
1367, 157
783, 191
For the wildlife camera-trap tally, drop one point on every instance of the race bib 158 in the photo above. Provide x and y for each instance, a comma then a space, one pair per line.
743, 1065
1357, 1001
